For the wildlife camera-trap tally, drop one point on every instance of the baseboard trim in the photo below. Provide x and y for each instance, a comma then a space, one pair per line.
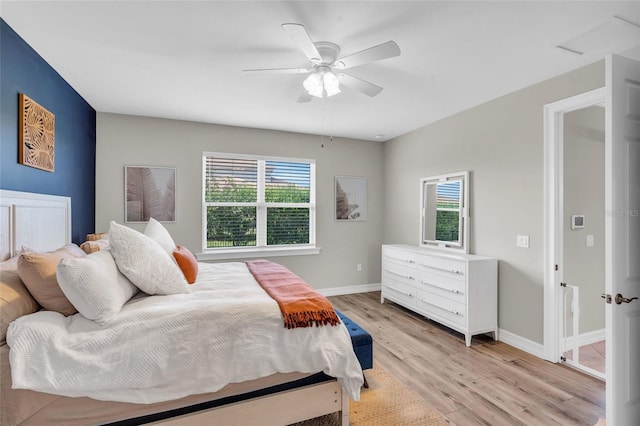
524, 344
350, 289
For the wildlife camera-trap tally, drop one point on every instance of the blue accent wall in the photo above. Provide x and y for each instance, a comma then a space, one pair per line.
22, 70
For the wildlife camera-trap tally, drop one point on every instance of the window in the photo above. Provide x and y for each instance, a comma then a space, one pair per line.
448, 211
257, 203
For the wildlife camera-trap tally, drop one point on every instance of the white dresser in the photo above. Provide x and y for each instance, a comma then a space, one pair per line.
456, 290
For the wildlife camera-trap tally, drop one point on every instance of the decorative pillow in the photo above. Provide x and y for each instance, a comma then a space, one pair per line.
96, 237
15, 299
95, 286
160, 235
38, 273
92, 246
144, 262
187, 262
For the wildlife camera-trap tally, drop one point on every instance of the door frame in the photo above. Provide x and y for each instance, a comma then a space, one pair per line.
553, 195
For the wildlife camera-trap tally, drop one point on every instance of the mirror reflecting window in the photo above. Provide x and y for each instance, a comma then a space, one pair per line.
444, 221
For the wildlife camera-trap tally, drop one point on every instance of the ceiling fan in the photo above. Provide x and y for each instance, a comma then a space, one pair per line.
325, 72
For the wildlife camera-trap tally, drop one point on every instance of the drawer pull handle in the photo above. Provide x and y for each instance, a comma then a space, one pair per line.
400, 291
453, 311
401, 275
453, 271
452, 290
401, 260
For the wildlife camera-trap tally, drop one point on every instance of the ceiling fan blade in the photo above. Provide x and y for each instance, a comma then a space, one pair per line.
304, 97
363, 86
301, 38
280, 70
372, 54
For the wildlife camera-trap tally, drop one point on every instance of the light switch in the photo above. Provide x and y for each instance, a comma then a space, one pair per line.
589, 240
522, 241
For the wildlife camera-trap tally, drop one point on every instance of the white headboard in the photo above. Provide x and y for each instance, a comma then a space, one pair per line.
38, 221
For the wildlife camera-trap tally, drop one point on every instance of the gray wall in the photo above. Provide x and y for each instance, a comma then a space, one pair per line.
131, 140
584, 194
501, 143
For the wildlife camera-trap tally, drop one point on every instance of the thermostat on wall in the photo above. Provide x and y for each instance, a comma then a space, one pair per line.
577, 221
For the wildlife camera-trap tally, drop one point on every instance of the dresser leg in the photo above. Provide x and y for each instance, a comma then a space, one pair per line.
467, 340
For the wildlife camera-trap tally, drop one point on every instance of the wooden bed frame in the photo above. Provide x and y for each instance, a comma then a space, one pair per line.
43, 223
277, 409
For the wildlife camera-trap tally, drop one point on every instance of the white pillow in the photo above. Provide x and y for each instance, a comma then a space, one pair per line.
158, 233
94, 285
144, 262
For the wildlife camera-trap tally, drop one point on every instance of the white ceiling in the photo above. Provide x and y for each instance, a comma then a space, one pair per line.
184, 60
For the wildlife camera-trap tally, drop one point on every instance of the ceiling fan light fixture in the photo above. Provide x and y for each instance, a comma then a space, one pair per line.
316, 92
313, 85
319, 83
331, 83
333, 91
326, 60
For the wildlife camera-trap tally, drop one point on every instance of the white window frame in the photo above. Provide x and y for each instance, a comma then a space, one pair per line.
260, 249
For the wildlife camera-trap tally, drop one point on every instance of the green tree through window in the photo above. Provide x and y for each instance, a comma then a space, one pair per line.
258, 202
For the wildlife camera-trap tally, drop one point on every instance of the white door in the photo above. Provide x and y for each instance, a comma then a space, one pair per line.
622, 202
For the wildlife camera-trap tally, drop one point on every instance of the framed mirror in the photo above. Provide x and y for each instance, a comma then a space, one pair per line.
444, 219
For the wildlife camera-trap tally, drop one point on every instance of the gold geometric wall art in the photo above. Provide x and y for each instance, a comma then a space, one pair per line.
37, 135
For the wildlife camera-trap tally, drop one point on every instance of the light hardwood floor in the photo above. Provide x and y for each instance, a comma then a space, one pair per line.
592, 356
490, 383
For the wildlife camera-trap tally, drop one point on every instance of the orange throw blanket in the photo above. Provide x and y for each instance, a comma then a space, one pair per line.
301, 305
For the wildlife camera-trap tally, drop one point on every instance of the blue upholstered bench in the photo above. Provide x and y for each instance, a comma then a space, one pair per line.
362, 343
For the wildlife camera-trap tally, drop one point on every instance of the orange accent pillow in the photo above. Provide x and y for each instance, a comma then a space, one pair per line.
187, 262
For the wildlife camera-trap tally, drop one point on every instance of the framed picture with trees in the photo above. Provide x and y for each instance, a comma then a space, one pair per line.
150, 192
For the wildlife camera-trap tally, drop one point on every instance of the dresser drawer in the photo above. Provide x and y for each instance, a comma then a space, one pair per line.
455, 291
441, 308
445, 282
400, 292
444, 267
400, 272
400, 257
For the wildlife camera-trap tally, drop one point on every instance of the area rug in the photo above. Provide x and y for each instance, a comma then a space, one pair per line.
385, 403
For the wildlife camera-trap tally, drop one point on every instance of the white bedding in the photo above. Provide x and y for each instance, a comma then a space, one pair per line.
160, 348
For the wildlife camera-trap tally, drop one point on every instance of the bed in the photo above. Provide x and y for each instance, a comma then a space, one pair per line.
276, 394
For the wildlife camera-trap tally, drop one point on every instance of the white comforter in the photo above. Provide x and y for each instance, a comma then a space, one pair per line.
160, 348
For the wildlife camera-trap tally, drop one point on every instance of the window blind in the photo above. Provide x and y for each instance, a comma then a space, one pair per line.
257, 202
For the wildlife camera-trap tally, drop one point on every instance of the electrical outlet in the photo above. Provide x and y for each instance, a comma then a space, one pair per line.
359, 267
522, 241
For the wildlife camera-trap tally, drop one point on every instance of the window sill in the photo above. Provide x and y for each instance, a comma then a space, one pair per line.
227, 254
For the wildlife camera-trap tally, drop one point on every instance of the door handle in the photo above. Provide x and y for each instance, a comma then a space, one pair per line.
620, 299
